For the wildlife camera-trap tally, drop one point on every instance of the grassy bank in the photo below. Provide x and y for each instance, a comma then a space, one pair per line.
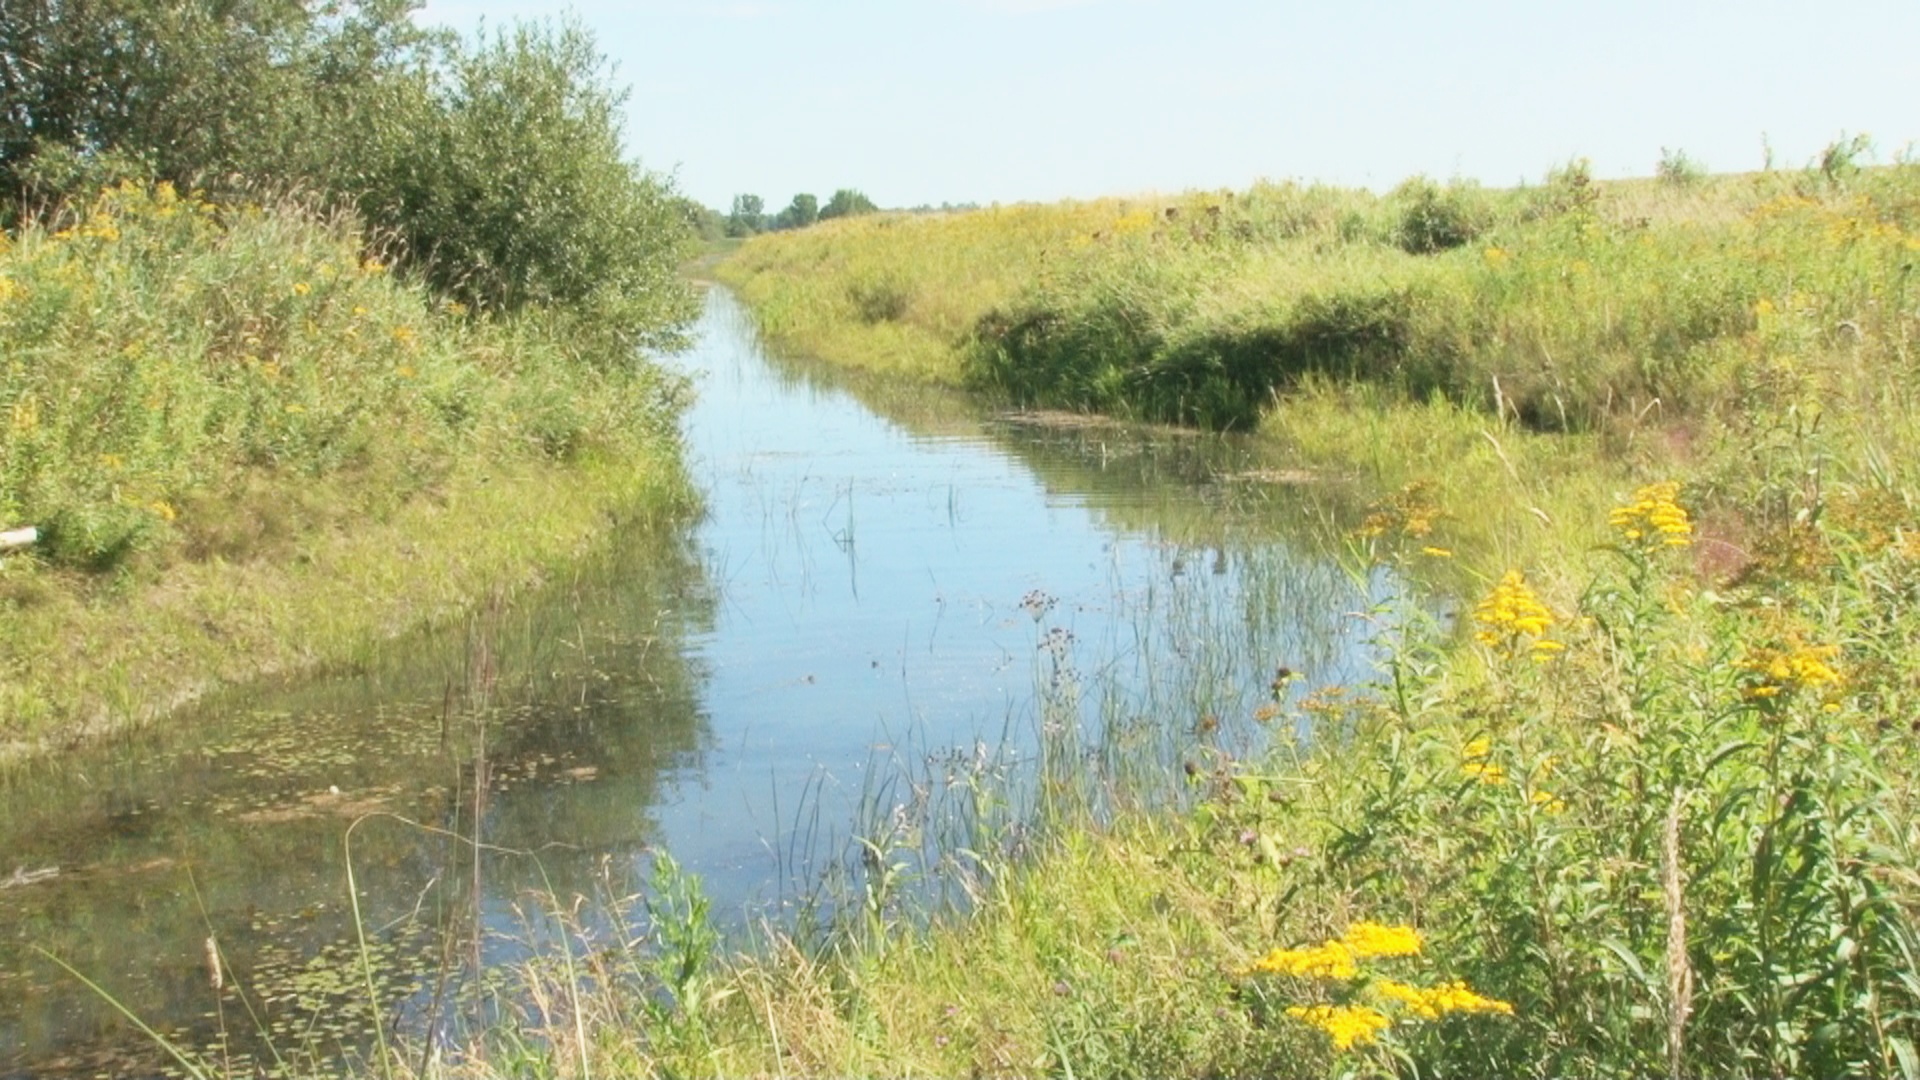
248, 447
1647, 810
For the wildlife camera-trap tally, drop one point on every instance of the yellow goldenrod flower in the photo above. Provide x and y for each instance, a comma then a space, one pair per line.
301, 288
1346, 1025
1455, 997
1330, 960
1486, 771
1654, 517
1370, 939
1778, 671
1413, 997
1476, 762
1511, 610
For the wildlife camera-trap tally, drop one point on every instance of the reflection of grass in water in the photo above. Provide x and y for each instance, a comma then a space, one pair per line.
592, 694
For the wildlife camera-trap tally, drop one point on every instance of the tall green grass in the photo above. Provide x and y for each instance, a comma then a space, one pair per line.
226, 395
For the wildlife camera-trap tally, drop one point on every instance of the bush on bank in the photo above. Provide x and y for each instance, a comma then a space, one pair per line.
490, 168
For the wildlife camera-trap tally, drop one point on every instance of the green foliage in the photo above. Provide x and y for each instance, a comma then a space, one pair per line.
508, 189
1433, 218
493, 169
1678, 170
1679, 843
748, 216
1840, 161
205, 96
163, 347
802, 212
847, 202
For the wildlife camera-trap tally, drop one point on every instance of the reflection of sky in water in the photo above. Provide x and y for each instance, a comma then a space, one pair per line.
861, 612
869, 586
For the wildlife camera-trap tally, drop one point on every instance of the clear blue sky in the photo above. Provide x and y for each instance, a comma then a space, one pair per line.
929, 101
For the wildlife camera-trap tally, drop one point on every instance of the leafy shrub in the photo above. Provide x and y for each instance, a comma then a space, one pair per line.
507, 188
1676, 169
494, 168
1433, 218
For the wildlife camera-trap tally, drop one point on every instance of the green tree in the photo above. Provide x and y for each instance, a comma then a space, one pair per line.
495, 166
845, 203
210, 95
802, 212
748, 216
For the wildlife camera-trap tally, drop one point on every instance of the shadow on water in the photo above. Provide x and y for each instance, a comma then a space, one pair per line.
902, 625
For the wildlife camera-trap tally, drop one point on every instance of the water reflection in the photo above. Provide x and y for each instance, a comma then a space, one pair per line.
578, 705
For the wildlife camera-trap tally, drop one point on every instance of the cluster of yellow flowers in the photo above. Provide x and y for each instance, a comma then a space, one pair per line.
1338, 958
1433, 1002
1781, 671
1477, 761
1345, 1024
1351, 1024
1654, 517
1512, 610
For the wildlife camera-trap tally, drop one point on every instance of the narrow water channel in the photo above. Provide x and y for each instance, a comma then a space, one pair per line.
886, 600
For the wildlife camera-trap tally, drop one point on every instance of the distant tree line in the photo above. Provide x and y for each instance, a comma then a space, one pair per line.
491, 167
749, 216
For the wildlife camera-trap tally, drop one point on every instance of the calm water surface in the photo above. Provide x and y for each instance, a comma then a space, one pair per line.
886, 601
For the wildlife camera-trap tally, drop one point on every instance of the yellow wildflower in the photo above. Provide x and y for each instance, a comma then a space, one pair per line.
1330, 960
301, 288
1455, 997
1369, 939
1511, 610
1476, 761
1346, 1025
1495, 256
1436, 552
1803, 667
163, 509
1654, 516
1413, 997
1431, 1003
